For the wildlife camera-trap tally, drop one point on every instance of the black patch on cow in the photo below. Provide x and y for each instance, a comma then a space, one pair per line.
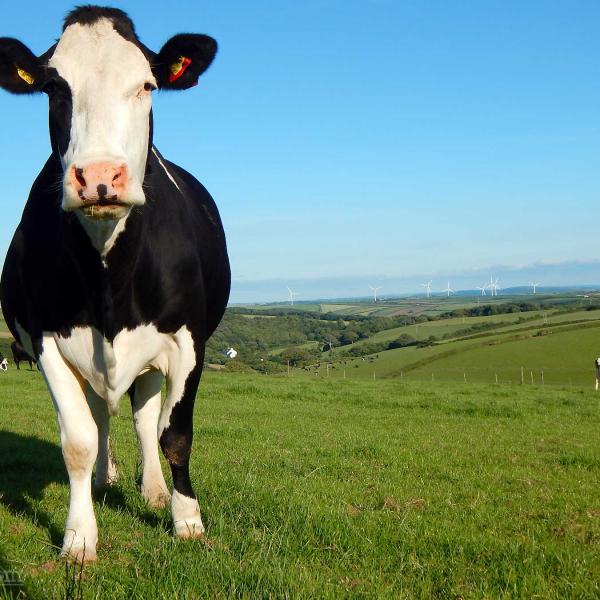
168, 267
60, 105
90, 14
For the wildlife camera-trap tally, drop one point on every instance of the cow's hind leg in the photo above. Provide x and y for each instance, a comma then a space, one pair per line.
175, 436
145, 402
79, 440
106, 469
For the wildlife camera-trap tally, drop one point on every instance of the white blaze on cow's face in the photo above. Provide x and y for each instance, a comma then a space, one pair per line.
110, 81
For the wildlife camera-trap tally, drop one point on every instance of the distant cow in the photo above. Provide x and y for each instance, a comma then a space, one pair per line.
20, 355
597, 365
118, 271
3, 363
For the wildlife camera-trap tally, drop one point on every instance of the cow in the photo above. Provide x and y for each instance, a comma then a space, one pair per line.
597, 367
19, 355
3, 363
118, 272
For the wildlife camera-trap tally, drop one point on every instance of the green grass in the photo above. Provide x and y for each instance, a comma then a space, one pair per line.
328, 489
564, 347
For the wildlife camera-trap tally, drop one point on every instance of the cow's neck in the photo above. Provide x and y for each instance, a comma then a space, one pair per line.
103, 233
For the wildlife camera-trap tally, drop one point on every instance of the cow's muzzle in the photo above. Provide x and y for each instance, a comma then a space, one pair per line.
101, 190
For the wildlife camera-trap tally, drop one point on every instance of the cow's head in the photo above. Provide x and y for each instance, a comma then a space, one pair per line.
99, 80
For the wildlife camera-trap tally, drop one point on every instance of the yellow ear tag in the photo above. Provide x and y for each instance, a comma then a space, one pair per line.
25, 76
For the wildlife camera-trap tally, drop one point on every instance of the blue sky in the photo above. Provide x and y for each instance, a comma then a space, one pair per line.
375, 140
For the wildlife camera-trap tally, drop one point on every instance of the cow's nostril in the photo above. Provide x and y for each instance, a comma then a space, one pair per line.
80, 178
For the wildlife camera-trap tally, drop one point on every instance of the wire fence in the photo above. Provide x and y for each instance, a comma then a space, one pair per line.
501, 375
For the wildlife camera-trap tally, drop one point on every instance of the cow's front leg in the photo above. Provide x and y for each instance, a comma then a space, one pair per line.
106, 468
145, 402
175, 436
79, 441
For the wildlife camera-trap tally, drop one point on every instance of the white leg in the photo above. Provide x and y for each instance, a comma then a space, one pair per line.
79, 440
186, 516
146, 410
106, 469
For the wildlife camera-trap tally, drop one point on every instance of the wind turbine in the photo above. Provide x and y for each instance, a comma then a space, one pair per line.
497, 288
448, 289
482, 289
493, 285
533, 285
374, 290
291, 296
427, 287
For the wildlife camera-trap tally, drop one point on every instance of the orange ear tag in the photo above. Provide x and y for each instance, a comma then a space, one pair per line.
25, 76
178, 68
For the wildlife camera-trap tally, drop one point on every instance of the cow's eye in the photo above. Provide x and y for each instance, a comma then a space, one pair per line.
149, 87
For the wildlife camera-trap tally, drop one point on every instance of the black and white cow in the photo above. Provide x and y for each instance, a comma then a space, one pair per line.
3, 363
116, 277
19, 356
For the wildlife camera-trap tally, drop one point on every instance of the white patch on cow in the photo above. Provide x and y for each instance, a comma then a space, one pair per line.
186, 516
177, 375
110, 368
4, 365
103, 234
110, 119
165, 168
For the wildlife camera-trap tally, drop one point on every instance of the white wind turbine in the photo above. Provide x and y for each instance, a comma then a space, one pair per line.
497, 288
427, 287
374, 290
482, 289
291, 296
448, 289
533, 285
493, 285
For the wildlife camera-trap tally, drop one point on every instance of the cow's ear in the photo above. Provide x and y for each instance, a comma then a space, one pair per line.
182, 60
21, 72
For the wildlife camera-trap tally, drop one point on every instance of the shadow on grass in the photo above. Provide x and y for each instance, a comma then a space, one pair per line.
114, 498
27, 465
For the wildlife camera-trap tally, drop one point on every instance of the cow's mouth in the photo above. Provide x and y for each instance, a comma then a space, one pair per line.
105, 208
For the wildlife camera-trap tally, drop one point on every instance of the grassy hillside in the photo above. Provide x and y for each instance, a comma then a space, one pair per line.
328, 489
562, 345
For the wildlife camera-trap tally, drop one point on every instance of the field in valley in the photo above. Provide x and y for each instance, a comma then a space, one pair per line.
330, 489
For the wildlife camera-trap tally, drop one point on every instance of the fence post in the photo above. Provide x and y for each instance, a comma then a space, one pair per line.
522, 376
465, 377
531, 373
542, 377
496, 378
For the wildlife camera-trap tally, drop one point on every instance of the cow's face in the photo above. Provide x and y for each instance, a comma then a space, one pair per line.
99, 86
99, 80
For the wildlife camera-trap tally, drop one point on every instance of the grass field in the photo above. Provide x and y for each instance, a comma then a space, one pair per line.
562, 345
327, 489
